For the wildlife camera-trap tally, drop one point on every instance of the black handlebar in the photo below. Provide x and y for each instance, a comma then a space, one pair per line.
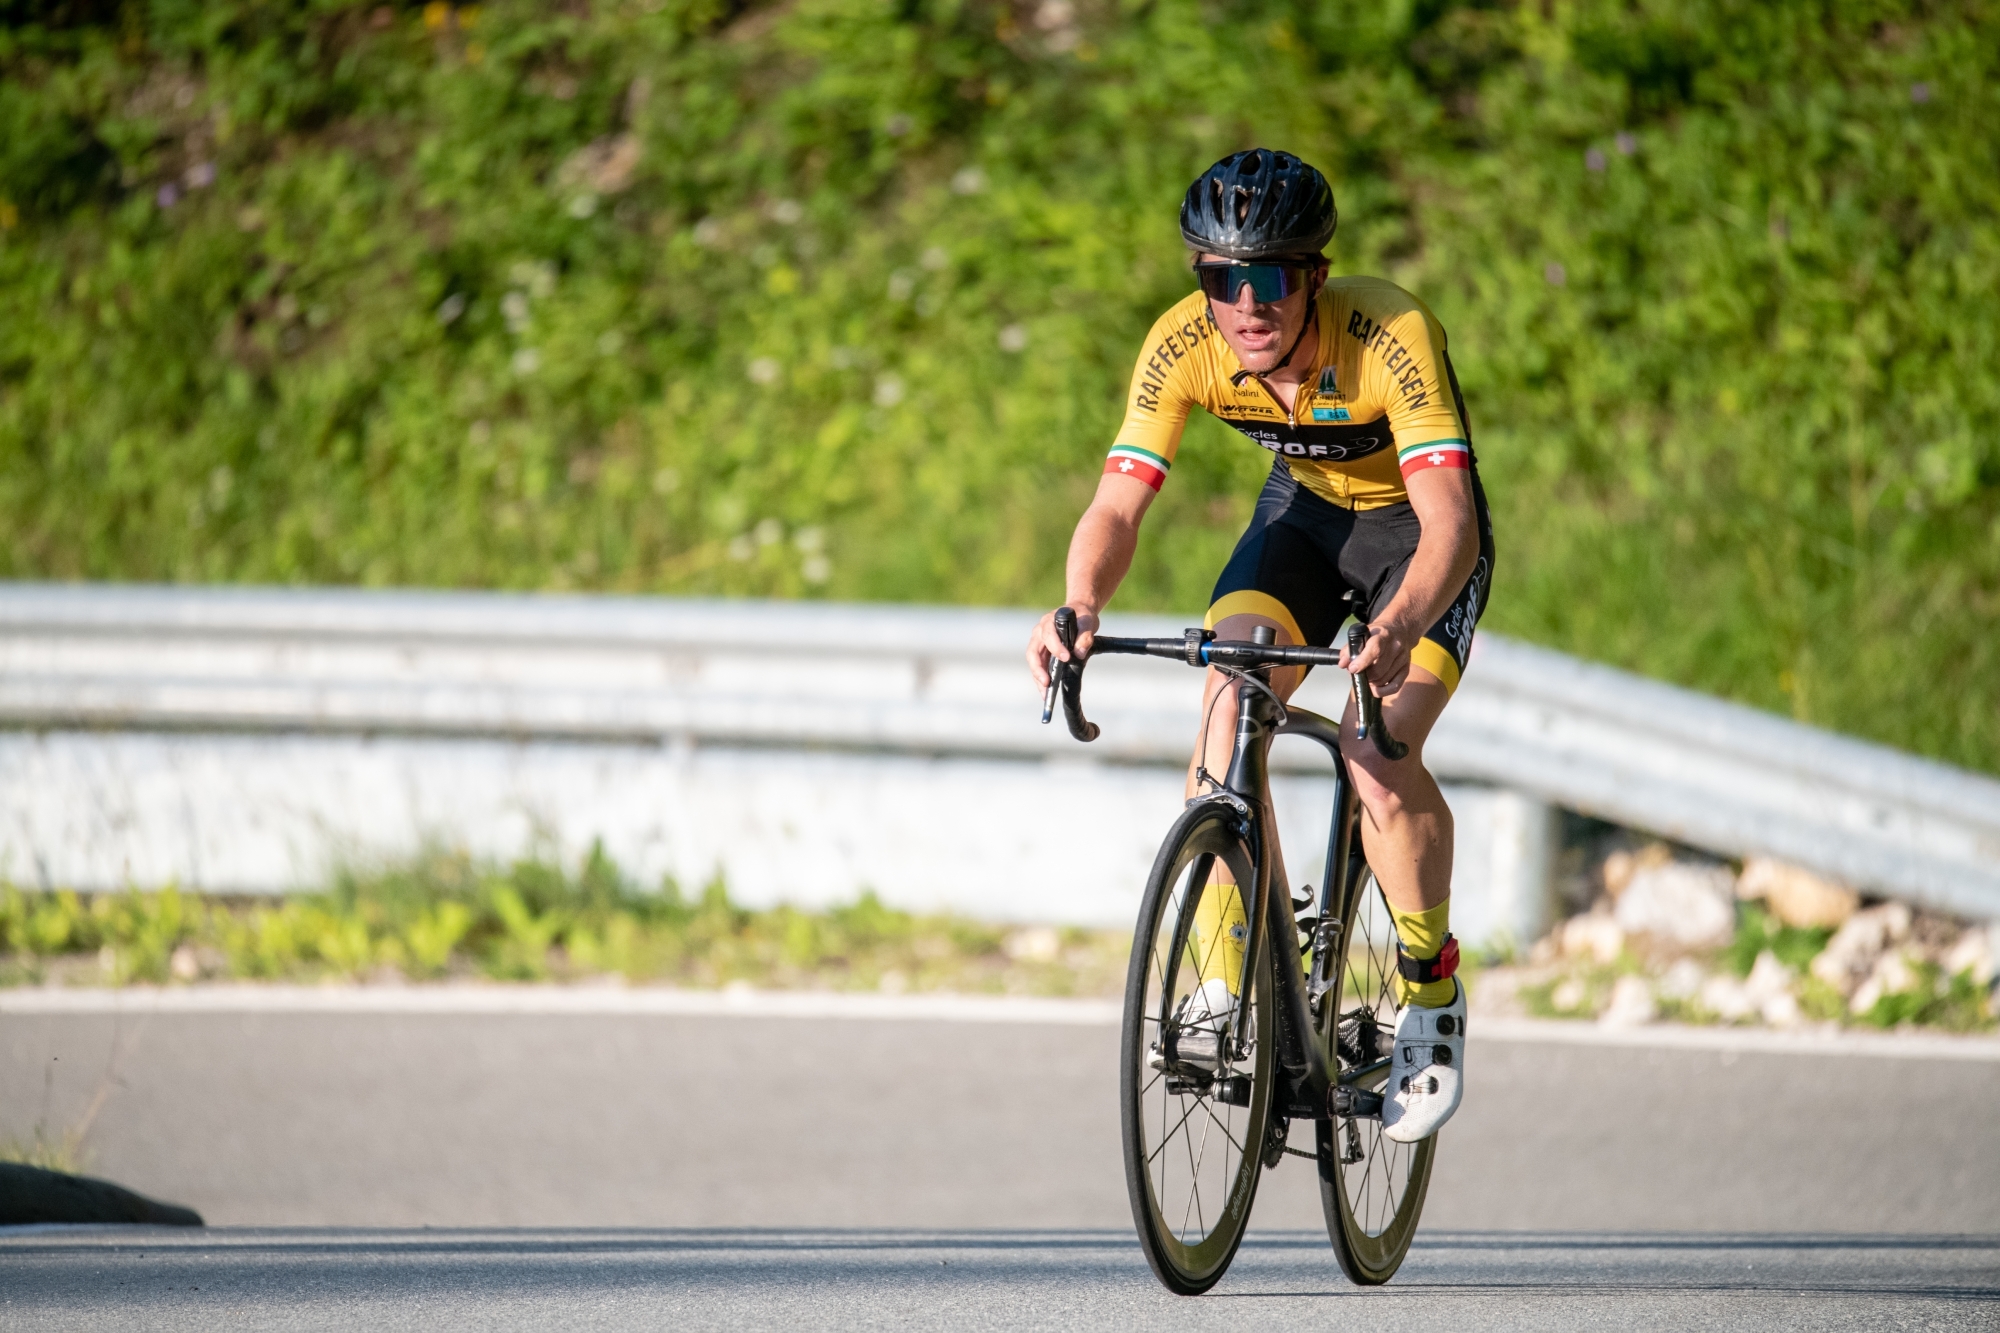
1198, 648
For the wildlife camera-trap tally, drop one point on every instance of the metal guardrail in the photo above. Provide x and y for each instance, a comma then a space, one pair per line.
950, 681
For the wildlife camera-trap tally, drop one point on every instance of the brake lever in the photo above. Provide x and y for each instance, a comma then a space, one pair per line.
1068, 678
1368, 724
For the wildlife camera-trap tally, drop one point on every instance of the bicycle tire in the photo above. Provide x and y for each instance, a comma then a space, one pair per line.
1191, 1194
1372, 1190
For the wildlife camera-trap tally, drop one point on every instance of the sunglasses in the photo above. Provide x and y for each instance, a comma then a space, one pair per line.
1269, 282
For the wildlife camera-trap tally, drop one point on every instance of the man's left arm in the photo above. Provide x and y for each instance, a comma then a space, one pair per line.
1447, 550
1406, 367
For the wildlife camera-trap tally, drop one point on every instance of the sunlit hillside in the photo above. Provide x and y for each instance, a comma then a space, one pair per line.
837, 298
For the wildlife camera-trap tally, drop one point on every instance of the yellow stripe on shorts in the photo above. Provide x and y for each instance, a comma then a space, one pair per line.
1435, 658
1252, 603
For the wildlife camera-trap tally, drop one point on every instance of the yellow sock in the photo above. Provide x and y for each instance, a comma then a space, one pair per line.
1422, 934
1220, 932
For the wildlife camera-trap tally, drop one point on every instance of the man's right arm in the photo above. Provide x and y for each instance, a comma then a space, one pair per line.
1100, 554
1162, 393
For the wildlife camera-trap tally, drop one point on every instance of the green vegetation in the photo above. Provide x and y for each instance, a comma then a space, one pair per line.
838, 297
1757, 930
444, 917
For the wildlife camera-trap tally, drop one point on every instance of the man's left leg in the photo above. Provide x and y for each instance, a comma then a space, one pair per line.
1406, 829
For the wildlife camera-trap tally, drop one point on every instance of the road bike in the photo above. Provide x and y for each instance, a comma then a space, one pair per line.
1207, 1102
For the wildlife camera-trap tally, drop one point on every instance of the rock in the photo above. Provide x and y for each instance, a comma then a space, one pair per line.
1682, 981
1593, 935
1974, 952
1767, 977
1852, 952
1726, 998
1682, 903
1795, 896
1892, 975
1782, 1011
29, 1194
1622, 865
1631, 1004
1035, 944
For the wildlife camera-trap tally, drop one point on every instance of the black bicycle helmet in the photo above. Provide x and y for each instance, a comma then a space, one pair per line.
1259, 204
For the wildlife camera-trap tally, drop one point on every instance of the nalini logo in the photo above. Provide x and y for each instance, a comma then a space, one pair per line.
1330, 414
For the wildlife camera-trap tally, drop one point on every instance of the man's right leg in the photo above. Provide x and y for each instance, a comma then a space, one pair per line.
1220, 924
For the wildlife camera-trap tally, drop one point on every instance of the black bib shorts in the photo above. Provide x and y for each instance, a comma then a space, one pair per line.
1302, 555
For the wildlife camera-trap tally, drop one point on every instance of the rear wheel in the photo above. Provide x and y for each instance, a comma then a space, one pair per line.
1195, 1111
1371, 1188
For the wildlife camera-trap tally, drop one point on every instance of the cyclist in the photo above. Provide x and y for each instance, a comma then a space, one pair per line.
1373, 490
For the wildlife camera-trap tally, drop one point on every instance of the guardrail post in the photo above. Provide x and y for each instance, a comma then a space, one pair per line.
1503, 890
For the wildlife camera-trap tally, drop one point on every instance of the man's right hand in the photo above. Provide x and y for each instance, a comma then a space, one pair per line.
1044, 643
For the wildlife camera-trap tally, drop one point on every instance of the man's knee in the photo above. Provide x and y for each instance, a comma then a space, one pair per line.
1384, 786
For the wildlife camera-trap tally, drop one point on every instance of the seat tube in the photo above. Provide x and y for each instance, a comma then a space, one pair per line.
1247, 779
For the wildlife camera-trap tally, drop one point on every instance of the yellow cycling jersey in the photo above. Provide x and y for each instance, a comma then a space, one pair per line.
1379, 404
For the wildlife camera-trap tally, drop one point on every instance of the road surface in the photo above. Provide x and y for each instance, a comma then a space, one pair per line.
784, 1169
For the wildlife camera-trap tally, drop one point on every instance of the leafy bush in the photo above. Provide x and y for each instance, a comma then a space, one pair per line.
839, 298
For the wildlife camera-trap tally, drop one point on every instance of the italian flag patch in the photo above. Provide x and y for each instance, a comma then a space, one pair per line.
1438, 453
1148, 467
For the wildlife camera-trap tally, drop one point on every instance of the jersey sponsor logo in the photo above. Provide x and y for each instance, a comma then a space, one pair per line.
1330, 414
1128, 461
1312, 451
1401, 364
1437, 453
1166, 353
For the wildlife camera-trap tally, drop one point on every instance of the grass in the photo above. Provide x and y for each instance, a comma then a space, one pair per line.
444, 917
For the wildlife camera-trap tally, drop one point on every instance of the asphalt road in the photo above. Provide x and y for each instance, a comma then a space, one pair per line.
1619, 1185
977, 1281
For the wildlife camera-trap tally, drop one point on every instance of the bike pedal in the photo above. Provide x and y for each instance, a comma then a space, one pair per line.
1354, 1103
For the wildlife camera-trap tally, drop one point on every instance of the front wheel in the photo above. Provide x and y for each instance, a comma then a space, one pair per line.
1371, 1188
1194, 1097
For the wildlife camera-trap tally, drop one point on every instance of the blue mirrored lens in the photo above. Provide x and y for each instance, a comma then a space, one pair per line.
1267, 282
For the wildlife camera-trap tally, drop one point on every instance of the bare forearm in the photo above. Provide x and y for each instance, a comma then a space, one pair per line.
1100, 555
1446, 552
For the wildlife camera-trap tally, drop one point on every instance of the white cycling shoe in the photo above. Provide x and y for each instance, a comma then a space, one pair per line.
1426, 1070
